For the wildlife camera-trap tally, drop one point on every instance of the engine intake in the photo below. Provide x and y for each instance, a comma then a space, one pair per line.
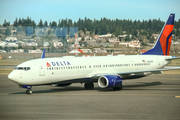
109, 81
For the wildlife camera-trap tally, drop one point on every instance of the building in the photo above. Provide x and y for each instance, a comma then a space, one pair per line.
112, 40
91, 42
133, 43
11, 39
105, 44
3, 44
12, 45
86, 50
124, 36
2, 51
99, 50
30, 44
57, 44
17, 51
76, 51
46, 44
35, 51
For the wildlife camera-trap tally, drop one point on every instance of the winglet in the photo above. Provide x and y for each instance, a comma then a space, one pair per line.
163, 44
43, 54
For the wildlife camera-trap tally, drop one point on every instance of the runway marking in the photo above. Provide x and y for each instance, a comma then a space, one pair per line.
177, 96
166, 78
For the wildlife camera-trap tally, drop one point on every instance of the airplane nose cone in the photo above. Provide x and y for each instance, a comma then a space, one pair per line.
12, 76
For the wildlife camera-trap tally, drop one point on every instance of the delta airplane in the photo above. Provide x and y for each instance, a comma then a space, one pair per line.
107, 71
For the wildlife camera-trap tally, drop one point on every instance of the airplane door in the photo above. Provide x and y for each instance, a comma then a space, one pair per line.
41, 69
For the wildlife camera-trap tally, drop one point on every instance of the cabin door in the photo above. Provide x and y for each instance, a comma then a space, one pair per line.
41, 69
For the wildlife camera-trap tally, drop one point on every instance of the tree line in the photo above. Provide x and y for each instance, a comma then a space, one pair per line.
103, 26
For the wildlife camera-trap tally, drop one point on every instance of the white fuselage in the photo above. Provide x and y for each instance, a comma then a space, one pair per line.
52, 70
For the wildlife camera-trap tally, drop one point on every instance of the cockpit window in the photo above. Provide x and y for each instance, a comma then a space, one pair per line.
22, 68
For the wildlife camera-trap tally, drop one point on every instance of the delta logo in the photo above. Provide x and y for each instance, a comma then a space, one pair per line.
47, 64
61, 63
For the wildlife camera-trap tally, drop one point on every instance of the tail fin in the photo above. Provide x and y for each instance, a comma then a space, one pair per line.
163, 44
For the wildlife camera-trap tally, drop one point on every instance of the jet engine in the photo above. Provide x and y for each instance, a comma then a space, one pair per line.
110, 81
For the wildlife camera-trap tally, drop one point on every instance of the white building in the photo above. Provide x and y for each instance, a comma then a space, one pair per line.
30, 44
75, 51
112, 40
3, 44
17, 51
124, 36
133, 43
46, 44
86, 50
35, 51
11, 39
2, 51
58, 44
12, 45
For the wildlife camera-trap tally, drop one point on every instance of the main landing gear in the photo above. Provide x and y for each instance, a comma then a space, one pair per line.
89, 85
29, 91
118, 88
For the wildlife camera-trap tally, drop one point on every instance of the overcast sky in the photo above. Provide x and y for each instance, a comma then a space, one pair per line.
53, 10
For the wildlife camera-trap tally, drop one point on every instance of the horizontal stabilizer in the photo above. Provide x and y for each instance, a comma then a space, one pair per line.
172, 58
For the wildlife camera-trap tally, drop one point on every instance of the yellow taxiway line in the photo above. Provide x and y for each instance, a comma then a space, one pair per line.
177, 96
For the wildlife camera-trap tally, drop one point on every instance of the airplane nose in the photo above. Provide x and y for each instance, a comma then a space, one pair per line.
12, 76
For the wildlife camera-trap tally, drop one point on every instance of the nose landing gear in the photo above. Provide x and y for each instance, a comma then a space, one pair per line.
29, 91
28, 87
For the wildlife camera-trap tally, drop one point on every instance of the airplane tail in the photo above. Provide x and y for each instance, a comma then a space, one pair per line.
163, 44
43, 54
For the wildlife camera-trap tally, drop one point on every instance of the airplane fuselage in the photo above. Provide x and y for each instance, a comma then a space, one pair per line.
53, 70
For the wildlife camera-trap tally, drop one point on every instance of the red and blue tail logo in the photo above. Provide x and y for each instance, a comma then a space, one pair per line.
163, 44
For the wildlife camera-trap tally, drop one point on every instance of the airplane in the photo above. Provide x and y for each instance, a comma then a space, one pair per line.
107, 71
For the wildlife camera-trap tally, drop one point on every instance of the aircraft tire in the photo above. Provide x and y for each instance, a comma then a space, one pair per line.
29, 91
89, 85
118, 88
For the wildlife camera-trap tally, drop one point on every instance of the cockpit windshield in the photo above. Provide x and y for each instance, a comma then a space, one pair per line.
22, 68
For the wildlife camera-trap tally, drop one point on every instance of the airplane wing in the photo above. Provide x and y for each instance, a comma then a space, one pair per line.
153, 70
140, 72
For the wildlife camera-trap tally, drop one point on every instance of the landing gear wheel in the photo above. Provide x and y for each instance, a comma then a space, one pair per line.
29, 91
118, 88
89, 85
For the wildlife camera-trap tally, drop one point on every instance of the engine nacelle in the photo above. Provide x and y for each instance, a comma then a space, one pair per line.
109, 81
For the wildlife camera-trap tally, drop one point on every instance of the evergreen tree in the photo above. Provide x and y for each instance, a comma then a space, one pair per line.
45, 24
16, 22
53, 24
40, 23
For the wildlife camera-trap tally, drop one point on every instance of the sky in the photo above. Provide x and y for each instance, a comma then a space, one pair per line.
53, 10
